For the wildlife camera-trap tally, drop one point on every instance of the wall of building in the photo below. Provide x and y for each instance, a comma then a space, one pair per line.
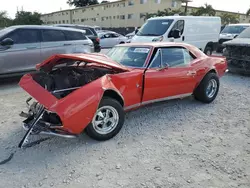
124, 13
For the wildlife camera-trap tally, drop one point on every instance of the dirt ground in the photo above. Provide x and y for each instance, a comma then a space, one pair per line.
175, 144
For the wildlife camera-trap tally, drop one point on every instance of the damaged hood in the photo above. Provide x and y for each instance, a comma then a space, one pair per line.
238, 42
100, 59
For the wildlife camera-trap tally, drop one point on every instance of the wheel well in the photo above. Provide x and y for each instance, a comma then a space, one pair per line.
114, 95
122, 42
210, 44
212, 71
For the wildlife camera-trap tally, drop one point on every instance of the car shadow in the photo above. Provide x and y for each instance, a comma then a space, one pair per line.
150, 119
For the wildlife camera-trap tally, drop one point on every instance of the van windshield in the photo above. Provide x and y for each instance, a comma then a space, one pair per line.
234, 29
245, 34
155, 27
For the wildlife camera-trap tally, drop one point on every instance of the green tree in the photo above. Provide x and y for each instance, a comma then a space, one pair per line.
4, 20
248, 12
148, 15
205, 10
82, 3
227, 18
27, 18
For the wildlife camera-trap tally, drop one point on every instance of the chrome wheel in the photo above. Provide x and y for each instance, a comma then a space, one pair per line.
211, 88
105, 120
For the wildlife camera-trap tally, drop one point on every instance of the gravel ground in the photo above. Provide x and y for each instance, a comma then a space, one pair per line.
175, 144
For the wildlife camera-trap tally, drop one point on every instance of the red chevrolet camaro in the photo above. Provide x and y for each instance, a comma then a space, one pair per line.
92, 92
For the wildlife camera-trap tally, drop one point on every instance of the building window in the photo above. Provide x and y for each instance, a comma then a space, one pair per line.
142, 15
113, 17
67, 21
118, 5
123, 4
130, 16
74, 20
59, 22
158, 1
117, 17
103, 18
82, 20
63, 21
143, 1
130, 3
122, 17
174, 3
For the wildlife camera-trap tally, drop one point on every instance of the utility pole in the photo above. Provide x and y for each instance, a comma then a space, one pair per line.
186, 5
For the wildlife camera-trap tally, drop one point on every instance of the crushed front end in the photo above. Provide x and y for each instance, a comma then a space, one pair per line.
238, 58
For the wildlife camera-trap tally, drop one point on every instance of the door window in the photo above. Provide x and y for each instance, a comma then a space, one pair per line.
178, 25
53, 35
23, 36
172, 57
114, 35
72, 35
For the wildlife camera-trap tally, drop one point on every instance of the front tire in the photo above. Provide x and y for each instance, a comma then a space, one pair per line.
107, 121
208, 89
208, 50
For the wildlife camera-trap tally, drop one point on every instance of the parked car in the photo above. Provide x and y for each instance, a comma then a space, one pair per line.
92, 91
200, 31
90, 32
110, 39
230, 32
130, 36
22, 47
237, 53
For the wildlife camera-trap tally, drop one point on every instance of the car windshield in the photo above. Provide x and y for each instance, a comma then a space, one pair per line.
129, 56
5, 31
234, 29
245, 34
155, 27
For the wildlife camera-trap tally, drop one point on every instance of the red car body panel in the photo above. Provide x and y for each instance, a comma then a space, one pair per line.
136, 87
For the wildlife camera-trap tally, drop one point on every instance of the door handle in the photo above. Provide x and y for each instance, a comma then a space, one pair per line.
191, 73
183, 38
66, 44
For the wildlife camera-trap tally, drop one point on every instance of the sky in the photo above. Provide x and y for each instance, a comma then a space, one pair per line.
47, 6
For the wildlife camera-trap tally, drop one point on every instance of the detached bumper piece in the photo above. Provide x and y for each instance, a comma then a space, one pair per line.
40, 121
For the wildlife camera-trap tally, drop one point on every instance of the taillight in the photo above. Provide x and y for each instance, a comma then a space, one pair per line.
97, 40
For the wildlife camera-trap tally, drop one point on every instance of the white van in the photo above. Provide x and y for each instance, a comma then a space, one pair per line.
200, 31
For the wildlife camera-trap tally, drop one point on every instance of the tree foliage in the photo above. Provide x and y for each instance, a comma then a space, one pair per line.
5, 21
227, 18
165, 12
248, 12
82, 3
205, 10
27, 18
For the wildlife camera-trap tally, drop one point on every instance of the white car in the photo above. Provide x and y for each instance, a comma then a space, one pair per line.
110, 39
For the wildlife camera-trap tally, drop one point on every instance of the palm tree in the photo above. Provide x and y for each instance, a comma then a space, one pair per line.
206, 10
4, 20
248, 12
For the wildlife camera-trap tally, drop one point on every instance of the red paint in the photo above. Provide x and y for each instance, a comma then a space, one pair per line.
78, 108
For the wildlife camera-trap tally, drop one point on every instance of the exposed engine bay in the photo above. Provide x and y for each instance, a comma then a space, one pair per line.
238, 58
62, 81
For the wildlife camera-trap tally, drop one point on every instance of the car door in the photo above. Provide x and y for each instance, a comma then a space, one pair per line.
54, 42
106, 40
24, 54
176, 80
179, 25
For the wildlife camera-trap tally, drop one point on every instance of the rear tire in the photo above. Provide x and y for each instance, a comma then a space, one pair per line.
107, 121
208, 89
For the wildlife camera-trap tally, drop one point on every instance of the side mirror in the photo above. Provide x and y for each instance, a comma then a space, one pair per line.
176, 33
136, 31
7, 42
164, 66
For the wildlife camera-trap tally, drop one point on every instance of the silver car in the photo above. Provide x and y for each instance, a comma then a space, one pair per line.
22, 47
109, 39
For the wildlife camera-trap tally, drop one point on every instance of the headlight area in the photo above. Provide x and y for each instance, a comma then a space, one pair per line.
41, 121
